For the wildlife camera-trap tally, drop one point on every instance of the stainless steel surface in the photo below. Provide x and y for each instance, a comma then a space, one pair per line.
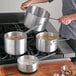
15, 46
28, 63
46, 45
64, 47
38, 16
55, 60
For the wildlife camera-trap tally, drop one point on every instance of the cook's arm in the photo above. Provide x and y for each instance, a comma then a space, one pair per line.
67, 19
73, 16
29, 2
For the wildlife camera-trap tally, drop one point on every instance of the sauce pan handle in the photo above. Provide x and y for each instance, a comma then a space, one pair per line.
46, 56
53, 18
62, 39
31, 29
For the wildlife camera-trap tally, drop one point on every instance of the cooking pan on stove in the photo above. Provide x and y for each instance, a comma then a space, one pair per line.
28, 64
16, 42
47, 41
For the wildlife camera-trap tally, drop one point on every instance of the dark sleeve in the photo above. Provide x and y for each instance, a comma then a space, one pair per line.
50, 0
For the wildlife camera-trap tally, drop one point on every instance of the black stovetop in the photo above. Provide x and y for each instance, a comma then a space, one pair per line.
9, 59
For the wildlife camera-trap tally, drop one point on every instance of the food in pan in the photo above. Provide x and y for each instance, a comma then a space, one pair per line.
47, 37
15, 37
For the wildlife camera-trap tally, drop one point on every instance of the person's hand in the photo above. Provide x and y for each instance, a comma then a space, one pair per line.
29, 2
65, 19
26, 4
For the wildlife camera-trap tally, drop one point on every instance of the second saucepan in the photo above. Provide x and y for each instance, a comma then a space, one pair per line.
46, 42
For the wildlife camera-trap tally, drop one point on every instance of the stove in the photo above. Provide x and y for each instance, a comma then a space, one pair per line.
14, 22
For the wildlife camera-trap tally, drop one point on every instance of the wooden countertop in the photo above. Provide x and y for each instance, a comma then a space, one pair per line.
45, 69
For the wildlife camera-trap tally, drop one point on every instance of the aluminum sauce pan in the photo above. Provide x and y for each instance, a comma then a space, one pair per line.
46, 45
35, 15
28, 64
15, 43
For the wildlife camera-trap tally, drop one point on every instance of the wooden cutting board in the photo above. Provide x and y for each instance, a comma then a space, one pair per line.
45, 69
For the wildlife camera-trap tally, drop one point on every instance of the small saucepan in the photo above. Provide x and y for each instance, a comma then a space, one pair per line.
28, 64
47, 41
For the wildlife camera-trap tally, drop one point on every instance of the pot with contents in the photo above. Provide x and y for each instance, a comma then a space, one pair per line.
15, 43
46, 42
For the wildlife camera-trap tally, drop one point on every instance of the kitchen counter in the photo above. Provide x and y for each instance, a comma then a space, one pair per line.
45, 69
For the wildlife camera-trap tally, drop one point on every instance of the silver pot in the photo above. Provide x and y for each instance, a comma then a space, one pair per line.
15, 43
36, 15
46, 45
28, 64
